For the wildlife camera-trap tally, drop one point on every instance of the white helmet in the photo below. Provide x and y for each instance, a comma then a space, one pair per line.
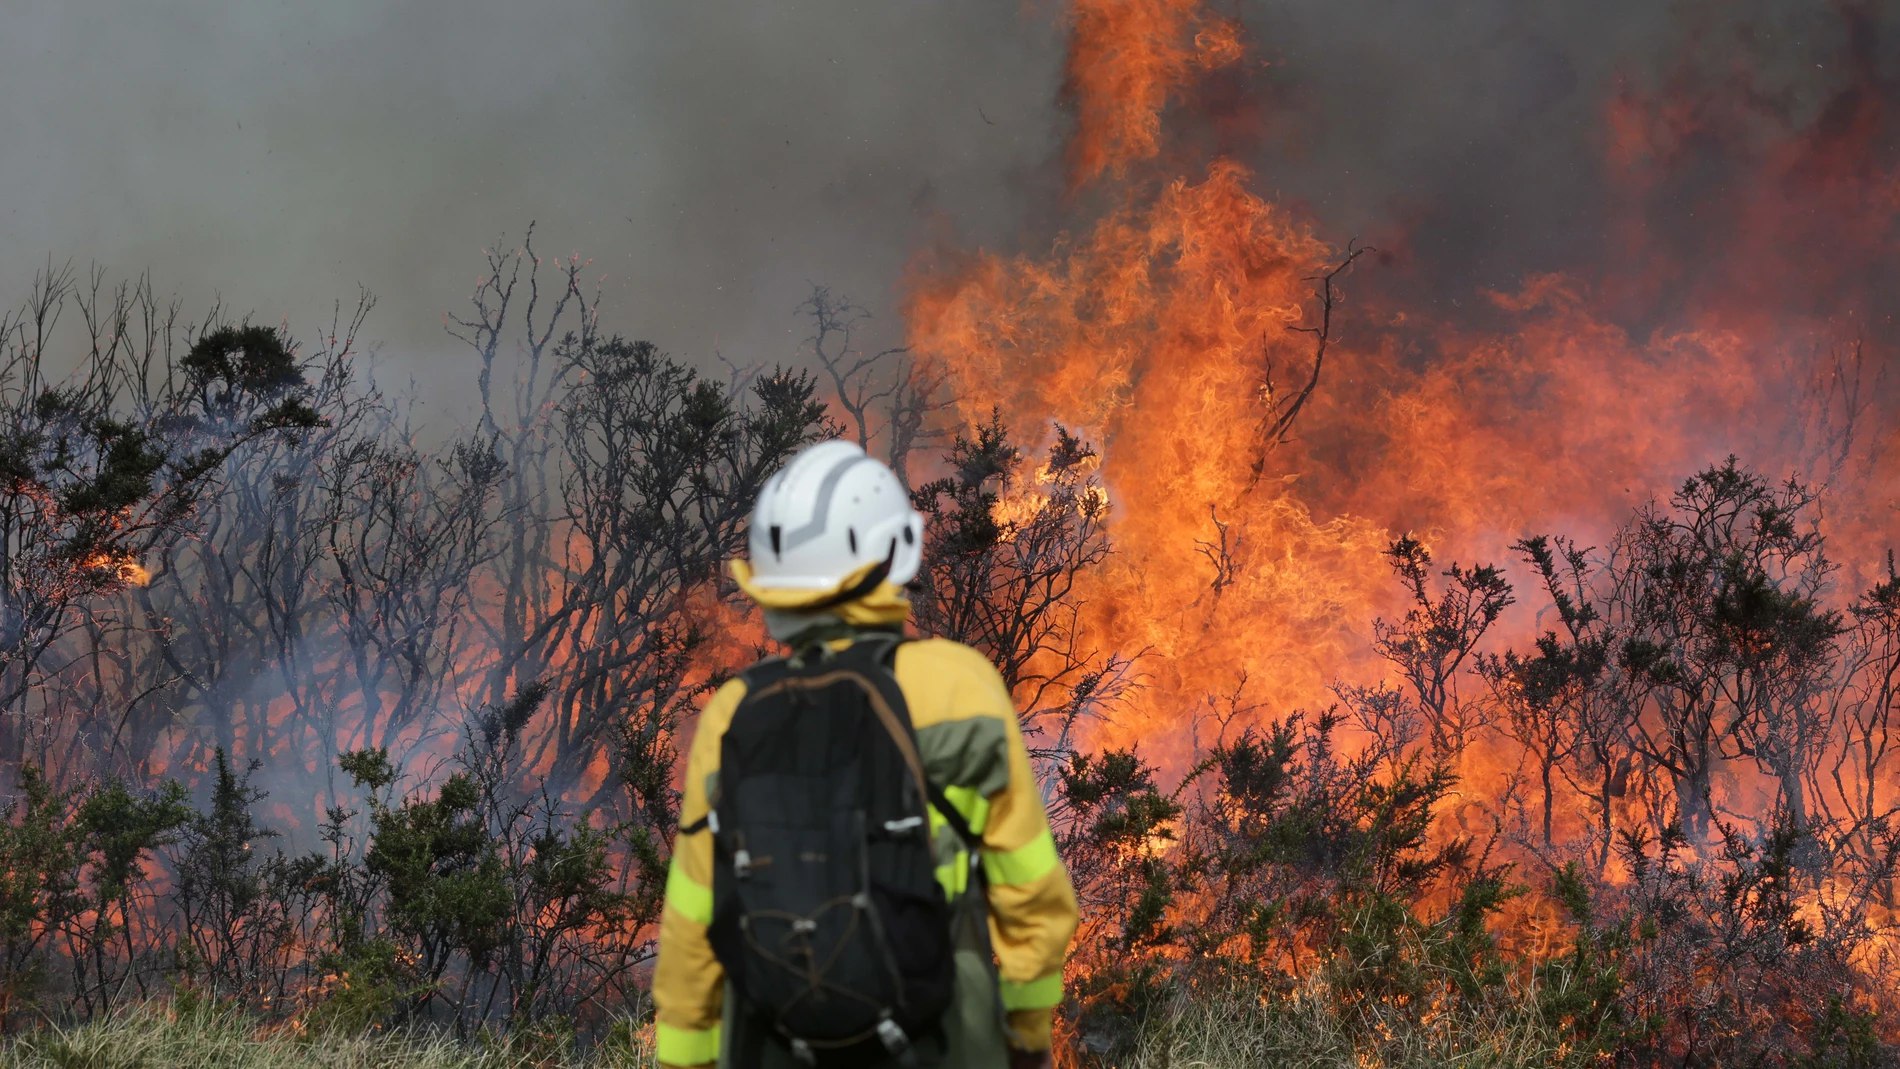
830, 513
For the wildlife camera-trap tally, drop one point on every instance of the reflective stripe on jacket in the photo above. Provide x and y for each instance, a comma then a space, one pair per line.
972, 747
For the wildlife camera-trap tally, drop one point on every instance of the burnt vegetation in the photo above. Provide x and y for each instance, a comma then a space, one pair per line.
305, 714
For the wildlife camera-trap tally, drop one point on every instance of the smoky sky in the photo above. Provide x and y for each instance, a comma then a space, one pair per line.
715, 158
1474, 133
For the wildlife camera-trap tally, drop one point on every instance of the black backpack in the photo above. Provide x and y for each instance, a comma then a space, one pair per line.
827, 913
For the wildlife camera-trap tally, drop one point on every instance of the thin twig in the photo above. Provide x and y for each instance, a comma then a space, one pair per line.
1279, 422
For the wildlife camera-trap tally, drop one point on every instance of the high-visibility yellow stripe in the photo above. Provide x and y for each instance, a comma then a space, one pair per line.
974, 806
954, 873
1025, 864
678, 1046
954, 877
1034, 995
953, 868
690, 899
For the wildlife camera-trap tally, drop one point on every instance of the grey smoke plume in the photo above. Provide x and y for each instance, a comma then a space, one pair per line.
713, 158
716, 157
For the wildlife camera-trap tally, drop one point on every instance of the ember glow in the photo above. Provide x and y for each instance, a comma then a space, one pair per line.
124, 569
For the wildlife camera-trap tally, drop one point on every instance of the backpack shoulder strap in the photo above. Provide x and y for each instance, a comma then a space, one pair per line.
876, 648
881, 647
756, 677
763, 672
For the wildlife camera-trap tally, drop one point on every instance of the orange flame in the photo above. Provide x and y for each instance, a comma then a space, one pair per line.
122, 567
1126, 59
1164, 331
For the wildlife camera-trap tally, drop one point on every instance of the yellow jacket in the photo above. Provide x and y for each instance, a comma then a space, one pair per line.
972, 748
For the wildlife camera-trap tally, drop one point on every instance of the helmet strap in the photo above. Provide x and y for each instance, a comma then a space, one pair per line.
871, 581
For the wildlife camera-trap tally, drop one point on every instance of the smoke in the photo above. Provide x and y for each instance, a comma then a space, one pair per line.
716, 158
1478, 132
713, 159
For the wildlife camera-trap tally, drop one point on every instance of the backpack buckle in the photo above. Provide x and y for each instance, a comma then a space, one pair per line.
742, 863
893, 1037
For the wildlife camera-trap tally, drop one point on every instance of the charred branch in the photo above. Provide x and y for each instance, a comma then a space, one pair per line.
1283, 411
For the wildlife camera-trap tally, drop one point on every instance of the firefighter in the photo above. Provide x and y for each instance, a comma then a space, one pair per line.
833, 541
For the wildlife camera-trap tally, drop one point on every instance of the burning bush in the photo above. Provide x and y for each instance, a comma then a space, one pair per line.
1739, 915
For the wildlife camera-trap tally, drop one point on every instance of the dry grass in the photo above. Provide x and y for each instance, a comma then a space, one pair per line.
1311, 1031
1306, 1031
159, 1037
